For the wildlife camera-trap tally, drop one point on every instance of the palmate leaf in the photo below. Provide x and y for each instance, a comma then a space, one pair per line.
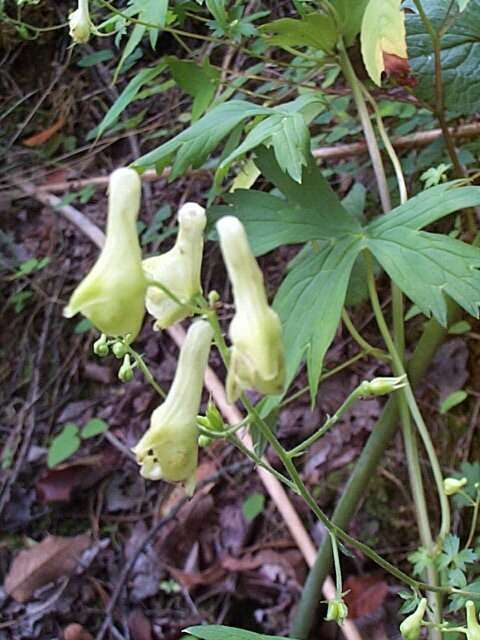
426, 266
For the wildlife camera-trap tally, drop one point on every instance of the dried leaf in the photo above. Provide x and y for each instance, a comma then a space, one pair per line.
366, 594
47, 561
139, 625
43, 136
75, 631
58, 484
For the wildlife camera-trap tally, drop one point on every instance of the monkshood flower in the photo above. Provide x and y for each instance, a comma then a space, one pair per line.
169, 449
80, 24
473, 627
411, 627
178, 270
257, 355
112, 295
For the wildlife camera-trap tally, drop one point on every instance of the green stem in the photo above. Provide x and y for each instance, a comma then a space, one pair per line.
360, 340
336, 564
352, 398
145, 370
473, 525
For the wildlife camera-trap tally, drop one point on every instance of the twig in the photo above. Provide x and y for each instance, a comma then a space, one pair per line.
338, 152
233, 416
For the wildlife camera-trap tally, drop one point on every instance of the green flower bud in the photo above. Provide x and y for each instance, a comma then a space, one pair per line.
178, 270
119, 350
214, 417
125, 373
112, 294
337, 611
100, 346
256, 356
213, 297
80, 23
451, 486
473, 628
169, 449
204, 441
382, 386
411, 626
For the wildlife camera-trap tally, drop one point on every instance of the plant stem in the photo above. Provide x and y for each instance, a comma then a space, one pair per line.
145, 370
336, 564
473, 525
352, 398
362, 343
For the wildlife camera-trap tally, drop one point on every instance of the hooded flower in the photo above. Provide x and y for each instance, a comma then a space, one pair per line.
112, 294
80, 23
451, 486
411, 626
256, 357
169, 449
178, 270
473, 627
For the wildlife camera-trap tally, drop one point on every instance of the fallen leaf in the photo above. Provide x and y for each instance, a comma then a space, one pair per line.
75, 631
47, 561
43, 136
189, 580
139, 625
58, 485
366, 594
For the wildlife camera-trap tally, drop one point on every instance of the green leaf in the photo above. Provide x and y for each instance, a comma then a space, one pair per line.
93, 427
383, 31
421, 560
351, 16
458, 602
311, 210
454, 399
452, 556
199, 81
104, 55
220, 632
315, 292
462, 4
314, 30
64, 445
471, 471
253, 506
133, 41
459, 328
460, 56
83, 326
428, 266
194, 145
286, 129
126, 97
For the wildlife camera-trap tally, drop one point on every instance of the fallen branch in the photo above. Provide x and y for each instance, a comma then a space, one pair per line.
230, 413
335, 152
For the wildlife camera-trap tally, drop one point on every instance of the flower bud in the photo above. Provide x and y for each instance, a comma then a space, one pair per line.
100, 346
204, 441
337, 611
125, 373
119, 350
80, 23
256, 356
169, 449
112, 294
382, 386
411, 626
473, 627
451, 486
178, 270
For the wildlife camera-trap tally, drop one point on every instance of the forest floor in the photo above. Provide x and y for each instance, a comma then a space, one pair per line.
226, 556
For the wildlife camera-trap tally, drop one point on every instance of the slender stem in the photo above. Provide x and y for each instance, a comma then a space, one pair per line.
360, 340
352, 398
145, 370
473, 525
191, 307
336, 564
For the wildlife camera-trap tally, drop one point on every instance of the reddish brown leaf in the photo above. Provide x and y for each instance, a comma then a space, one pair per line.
366, 594
399, 69
43, 136
58, 485
189, 580
75, 631
47, 561
139, 625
